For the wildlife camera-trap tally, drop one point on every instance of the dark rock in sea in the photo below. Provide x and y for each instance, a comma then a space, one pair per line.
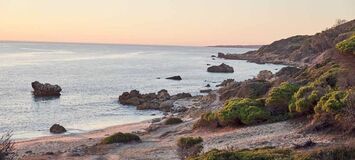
264, 75
160, 101
57, 129
223, 68
208, 64
175, 78
45, 90
208, 85
220, 55
213, 56
206, 91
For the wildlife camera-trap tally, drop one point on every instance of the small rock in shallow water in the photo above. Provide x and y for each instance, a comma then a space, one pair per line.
57, 129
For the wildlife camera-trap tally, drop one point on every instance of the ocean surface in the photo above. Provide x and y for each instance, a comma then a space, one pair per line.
92, 77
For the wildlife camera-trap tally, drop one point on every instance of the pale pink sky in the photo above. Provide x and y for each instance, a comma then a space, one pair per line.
171, 22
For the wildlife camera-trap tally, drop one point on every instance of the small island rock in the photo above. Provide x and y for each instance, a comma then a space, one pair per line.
223, 68
45, 90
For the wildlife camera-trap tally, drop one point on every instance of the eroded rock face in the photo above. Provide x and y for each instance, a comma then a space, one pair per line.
247, 89
264, 75
45, 90
223, 68
57, 129
157, 101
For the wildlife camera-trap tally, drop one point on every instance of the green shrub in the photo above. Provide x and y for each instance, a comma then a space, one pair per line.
208, 120
172, 121
332, 102
189, 146
257, 154
121, 138
188, 142
330, 153
280, 97
243, 110
347, 46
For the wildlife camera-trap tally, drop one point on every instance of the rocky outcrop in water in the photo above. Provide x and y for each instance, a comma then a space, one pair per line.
178, 78
57, 129
158, 101
223, 68
45, 90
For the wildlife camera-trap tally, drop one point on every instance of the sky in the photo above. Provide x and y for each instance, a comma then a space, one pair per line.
168, 22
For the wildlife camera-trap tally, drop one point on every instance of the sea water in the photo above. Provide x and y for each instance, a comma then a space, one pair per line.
92, 77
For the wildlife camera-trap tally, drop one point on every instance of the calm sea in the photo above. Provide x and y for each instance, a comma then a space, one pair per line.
92, 77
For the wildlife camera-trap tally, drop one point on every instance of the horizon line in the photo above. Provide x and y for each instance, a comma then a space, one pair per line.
113, 43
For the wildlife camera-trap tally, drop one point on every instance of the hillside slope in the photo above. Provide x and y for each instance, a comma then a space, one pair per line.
298, 50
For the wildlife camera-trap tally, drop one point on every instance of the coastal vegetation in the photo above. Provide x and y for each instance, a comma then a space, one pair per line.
121, 138
6, 146
173, 120
280, 97
339, 152
189, 146
347, 46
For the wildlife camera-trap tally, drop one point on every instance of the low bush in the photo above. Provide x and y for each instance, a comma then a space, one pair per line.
330, 153
121, 138
6, 146
347, 46
332, 102
243, 110
189, 146
257, 154
172, 121
279, 98
207, 120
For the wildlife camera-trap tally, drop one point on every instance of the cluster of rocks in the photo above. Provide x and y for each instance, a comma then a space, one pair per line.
45, 90
157, 101
223, 68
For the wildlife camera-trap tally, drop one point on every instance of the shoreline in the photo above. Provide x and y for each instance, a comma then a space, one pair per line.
50, 143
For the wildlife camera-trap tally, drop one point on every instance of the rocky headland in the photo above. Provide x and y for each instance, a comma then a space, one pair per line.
304, 111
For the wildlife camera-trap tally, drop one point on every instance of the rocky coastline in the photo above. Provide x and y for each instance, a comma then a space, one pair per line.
304, 109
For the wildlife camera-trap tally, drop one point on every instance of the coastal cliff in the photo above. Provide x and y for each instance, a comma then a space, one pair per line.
298, 50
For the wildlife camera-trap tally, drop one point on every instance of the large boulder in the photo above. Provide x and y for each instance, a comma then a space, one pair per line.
45, 90
223, 68
57, 129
